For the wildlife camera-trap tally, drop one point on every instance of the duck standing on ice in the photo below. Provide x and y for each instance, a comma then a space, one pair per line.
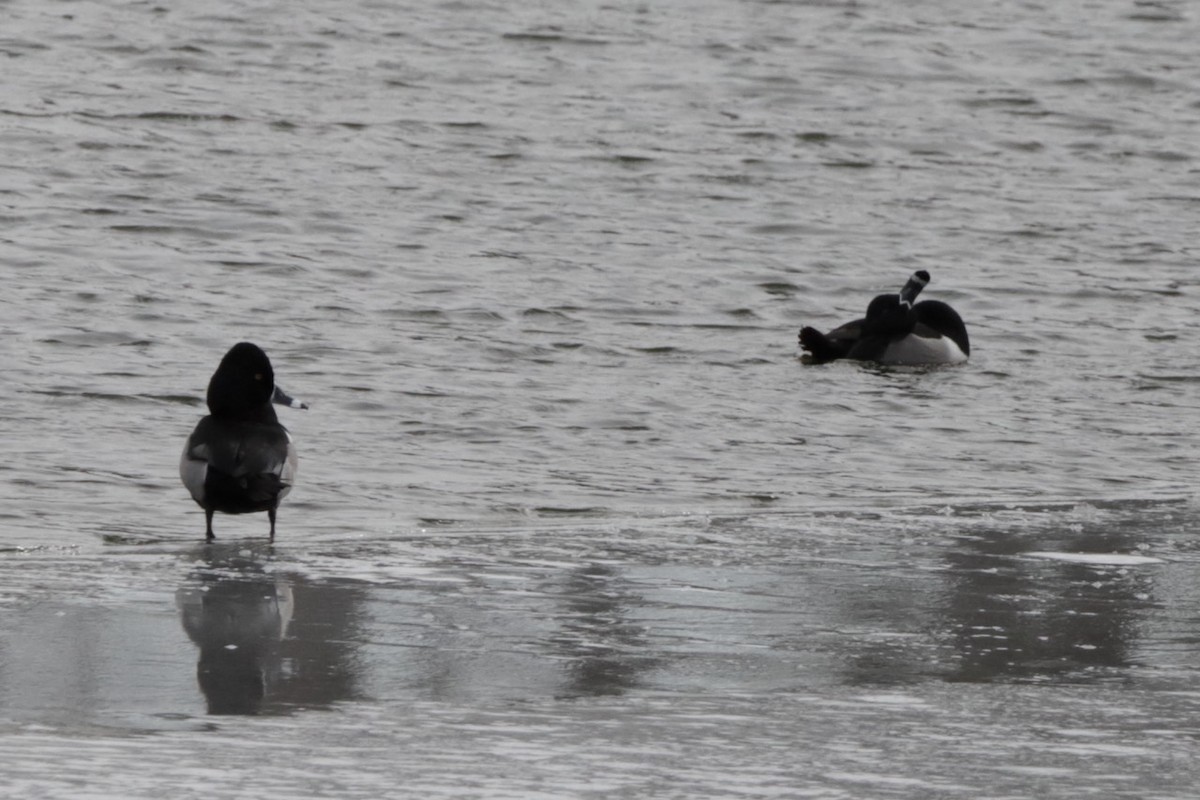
239, 459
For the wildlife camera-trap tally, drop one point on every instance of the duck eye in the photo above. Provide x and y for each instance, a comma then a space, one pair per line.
258, 376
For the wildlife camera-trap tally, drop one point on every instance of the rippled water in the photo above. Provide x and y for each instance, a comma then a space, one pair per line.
572, 519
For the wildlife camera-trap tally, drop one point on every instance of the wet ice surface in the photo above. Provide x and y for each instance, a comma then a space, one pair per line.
978, 650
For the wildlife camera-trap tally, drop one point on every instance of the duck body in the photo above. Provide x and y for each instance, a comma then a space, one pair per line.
895, 331
239, 459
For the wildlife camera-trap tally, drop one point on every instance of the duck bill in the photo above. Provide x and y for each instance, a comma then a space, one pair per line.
914, 286
283, 399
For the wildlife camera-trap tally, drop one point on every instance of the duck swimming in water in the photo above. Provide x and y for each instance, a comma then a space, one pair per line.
239, 459
896, 331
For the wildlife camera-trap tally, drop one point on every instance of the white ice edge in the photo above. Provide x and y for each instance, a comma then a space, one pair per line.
1103, 559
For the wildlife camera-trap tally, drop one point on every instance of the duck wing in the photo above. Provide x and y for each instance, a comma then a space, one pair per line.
936, 319
238, 466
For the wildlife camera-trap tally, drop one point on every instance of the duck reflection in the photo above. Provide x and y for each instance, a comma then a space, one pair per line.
254, 657
995, 614
1015, 618
601, 646
237, 615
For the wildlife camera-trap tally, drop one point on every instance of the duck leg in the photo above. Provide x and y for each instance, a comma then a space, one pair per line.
819, 346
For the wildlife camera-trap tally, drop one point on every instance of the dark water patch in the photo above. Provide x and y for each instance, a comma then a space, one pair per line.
440, 522
268, 268
165, 116
238, 264
787, 229
481, 315
570, 512
1130, 79
424, 393
625, 159
419, 314
779, 288
1024, 147
15, 48
509, 254
1175, 198
553, 36
98, 339
758, 135
13, 112
1101, 126
173, 230
184, 64
1168, 378
1169, 156
1002, 102
552, 313
130, 540
1157, 14
177, 399
131, 198
736, 179
815, 137
702, 326
93, 145
367, 407
849, 163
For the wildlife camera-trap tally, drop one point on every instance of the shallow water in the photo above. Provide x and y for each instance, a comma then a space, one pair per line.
572, 519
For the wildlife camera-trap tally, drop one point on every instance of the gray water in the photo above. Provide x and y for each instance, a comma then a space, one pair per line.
572, 519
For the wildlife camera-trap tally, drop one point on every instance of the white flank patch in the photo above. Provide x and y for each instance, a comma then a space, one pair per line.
916, 350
